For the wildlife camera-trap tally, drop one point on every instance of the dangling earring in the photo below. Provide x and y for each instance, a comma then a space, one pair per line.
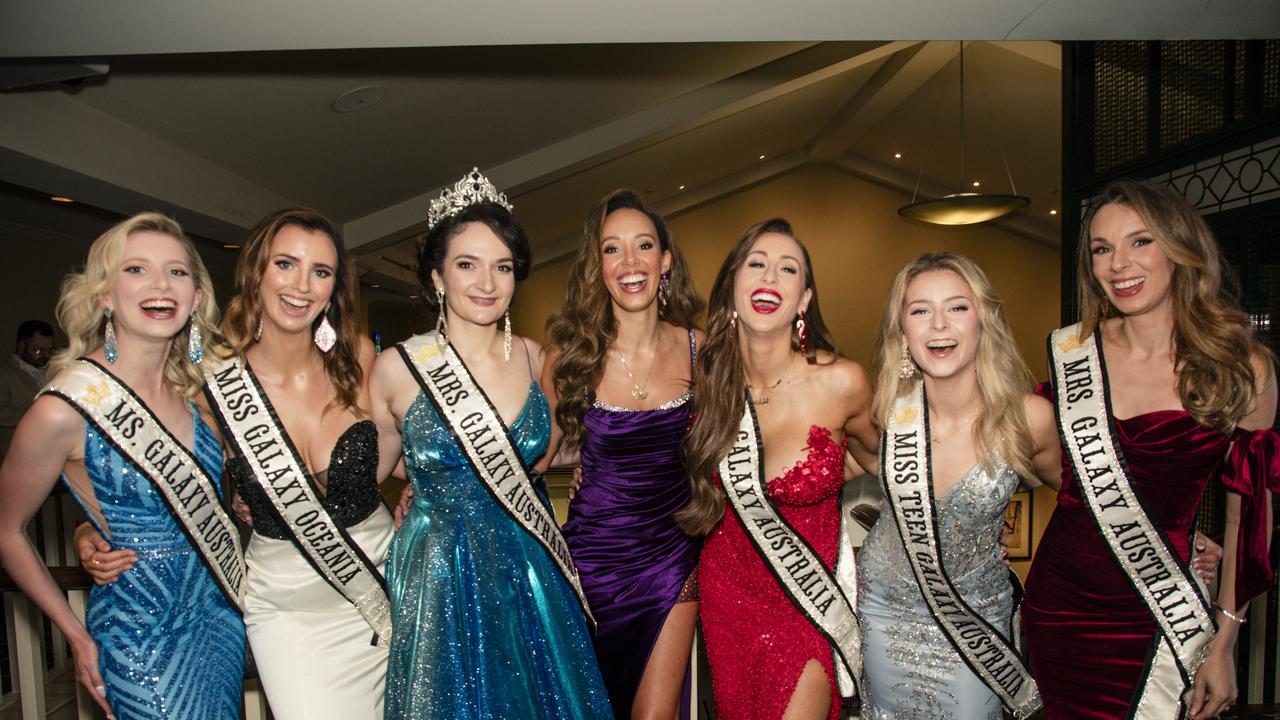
442, 325
733, 321
109, 343
908, 369
802, 334
663, 284
325, 337
506, 337
195, 342
1106, 306
257, 334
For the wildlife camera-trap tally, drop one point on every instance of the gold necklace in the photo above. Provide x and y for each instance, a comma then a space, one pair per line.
639, 392
764, 400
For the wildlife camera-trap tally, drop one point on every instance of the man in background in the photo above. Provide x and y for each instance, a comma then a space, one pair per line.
22, 376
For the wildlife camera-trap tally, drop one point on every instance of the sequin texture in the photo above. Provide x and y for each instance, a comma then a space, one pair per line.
484, 625
910, 668
757, 641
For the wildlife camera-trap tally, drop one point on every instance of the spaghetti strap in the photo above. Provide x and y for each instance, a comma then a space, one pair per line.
693, 352
528, 358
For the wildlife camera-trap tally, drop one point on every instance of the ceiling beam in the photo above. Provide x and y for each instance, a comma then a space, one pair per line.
636, 131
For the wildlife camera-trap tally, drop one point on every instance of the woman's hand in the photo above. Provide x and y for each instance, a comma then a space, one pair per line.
85, 654
1206, 558
97, 558
402, 507
576, 484
1215, 686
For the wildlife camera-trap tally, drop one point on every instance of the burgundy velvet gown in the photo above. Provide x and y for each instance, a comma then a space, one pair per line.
757, 641
1088, 633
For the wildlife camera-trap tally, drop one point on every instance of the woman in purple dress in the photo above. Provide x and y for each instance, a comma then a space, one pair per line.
618, 376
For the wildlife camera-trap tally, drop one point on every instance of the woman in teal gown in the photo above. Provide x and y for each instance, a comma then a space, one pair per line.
484, 623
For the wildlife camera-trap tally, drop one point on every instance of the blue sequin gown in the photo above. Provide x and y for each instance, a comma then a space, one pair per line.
483, 623
169, 643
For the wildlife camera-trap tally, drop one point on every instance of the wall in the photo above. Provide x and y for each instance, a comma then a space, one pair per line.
858, 242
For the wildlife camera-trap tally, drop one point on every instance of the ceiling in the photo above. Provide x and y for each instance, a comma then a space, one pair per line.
221, 114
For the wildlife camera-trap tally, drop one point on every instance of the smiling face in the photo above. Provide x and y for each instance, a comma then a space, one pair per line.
298, 280
153, 292
631, 259
1135, 273
478, 275
940, 322
769, 287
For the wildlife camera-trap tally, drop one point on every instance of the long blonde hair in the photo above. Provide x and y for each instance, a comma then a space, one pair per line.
1003, 378
1213, 340
80, 308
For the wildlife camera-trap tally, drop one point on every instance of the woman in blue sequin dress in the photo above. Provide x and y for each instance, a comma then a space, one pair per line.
484, 623
163, 641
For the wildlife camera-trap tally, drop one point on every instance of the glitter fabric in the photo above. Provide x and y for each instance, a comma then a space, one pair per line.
910, 669
484, 625
757, 641
169, 643
292, 613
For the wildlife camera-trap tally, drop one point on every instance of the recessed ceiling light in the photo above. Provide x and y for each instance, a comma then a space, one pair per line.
897, 156
361, 98
61, 199
230, 246
374, 285
1053, 212
413, 297
976, 183
761, 157
680, 188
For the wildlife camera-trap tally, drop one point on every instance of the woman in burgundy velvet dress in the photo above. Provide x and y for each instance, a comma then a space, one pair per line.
618, 377
1186, 393
765, 333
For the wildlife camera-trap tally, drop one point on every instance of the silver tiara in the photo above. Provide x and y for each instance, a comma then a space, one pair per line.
472, 189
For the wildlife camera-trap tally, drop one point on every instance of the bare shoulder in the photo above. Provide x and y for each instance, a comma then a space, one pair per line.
53, 416
365, 354
1264, 370
842, 375
388, 368
1040, 414
537, 354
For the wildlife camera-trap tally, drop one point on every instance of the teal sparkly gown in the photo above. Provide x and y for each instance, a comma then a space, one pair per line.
170, 645
483, 623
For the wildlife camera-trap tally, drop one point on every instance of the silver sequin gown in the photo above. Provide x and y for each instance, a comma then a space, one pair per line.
910, 670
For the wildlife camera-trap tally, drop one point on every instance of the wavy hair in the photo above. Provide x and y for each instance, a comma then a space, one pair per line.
584, 329
1004, 380
80, 309
244, 311
1213, 339
720, 369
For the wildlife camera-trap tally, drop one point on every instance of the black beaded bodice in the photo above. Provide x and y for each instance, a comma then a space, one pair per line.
350, 484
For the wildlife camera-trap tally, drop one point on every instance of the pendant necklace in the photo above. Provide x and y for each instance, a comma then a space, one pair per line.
639, 392
764, 399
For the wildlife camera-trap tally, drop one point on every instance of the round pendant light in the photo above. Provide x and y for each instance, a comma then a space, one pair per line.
963, 208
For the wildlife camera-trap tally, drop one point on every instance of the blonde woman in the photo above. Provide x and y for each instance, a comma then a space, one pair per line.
118, 424
1159, 383
962, 433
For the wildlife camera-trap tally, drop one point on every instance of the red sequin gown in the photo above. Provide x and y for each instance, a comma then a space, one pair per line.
757, 641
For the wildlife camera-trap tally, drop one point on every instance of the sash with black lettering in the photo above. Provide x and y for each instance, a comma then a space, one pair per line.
794, 563
906, 471
191, 494
486, 442
250, 423
1171, 593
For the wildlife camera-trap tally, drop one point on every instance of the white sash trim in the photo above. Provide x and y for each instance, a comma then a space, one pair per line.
486, 442
1171, 593
260, 440
906, 469
191, 494
796, 566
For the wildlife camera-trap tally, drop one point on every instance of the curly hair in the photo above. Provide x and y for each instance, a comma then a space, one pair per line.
583, 329
1004, 380
720, 368
1213, 340
244, 311
80, 309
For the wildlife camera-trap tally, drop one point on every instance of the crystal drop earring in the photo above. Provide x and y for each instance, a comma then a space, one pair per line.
506, 337
325, 337
109, 342
908, 369
442, 325
195, 342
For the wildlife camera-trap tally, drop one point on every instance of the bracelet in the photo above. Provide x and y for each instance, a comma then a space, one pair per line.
1239, 619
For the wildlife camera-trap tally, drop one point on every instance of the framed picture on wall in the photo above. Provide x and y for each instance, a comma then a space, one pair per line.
1017, 524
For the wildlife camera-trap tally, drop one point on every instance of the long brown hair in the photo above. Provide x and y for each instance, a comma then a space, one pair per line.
1213, 340
583, 329
1004, 381
244, 311
721, 374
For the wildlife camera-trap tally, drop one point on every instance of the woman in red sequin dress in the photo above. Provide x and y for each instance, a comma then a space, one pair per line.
765, 333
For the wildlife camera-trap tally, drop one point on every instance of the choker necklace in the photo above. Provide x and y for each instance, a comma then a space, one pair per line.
639, 392
764, 399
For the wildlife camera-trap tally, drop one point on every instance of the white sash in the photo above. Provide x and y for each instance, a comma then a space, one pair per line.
246, 415
135, 432
486, 442
1171, 593
796, 566
906, 469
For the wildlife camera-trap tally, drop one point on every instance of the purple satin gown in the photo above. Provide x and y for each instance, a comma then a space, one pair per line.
632, 558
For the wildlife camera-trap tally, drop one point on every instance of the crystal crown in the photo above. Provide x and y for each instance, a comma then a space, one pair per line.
472, 189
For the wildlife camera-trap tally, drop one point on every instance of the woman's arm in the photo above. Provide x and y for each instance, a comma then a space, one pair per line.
1046, 455
387, 376
862, 439
548, 383
48, 436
